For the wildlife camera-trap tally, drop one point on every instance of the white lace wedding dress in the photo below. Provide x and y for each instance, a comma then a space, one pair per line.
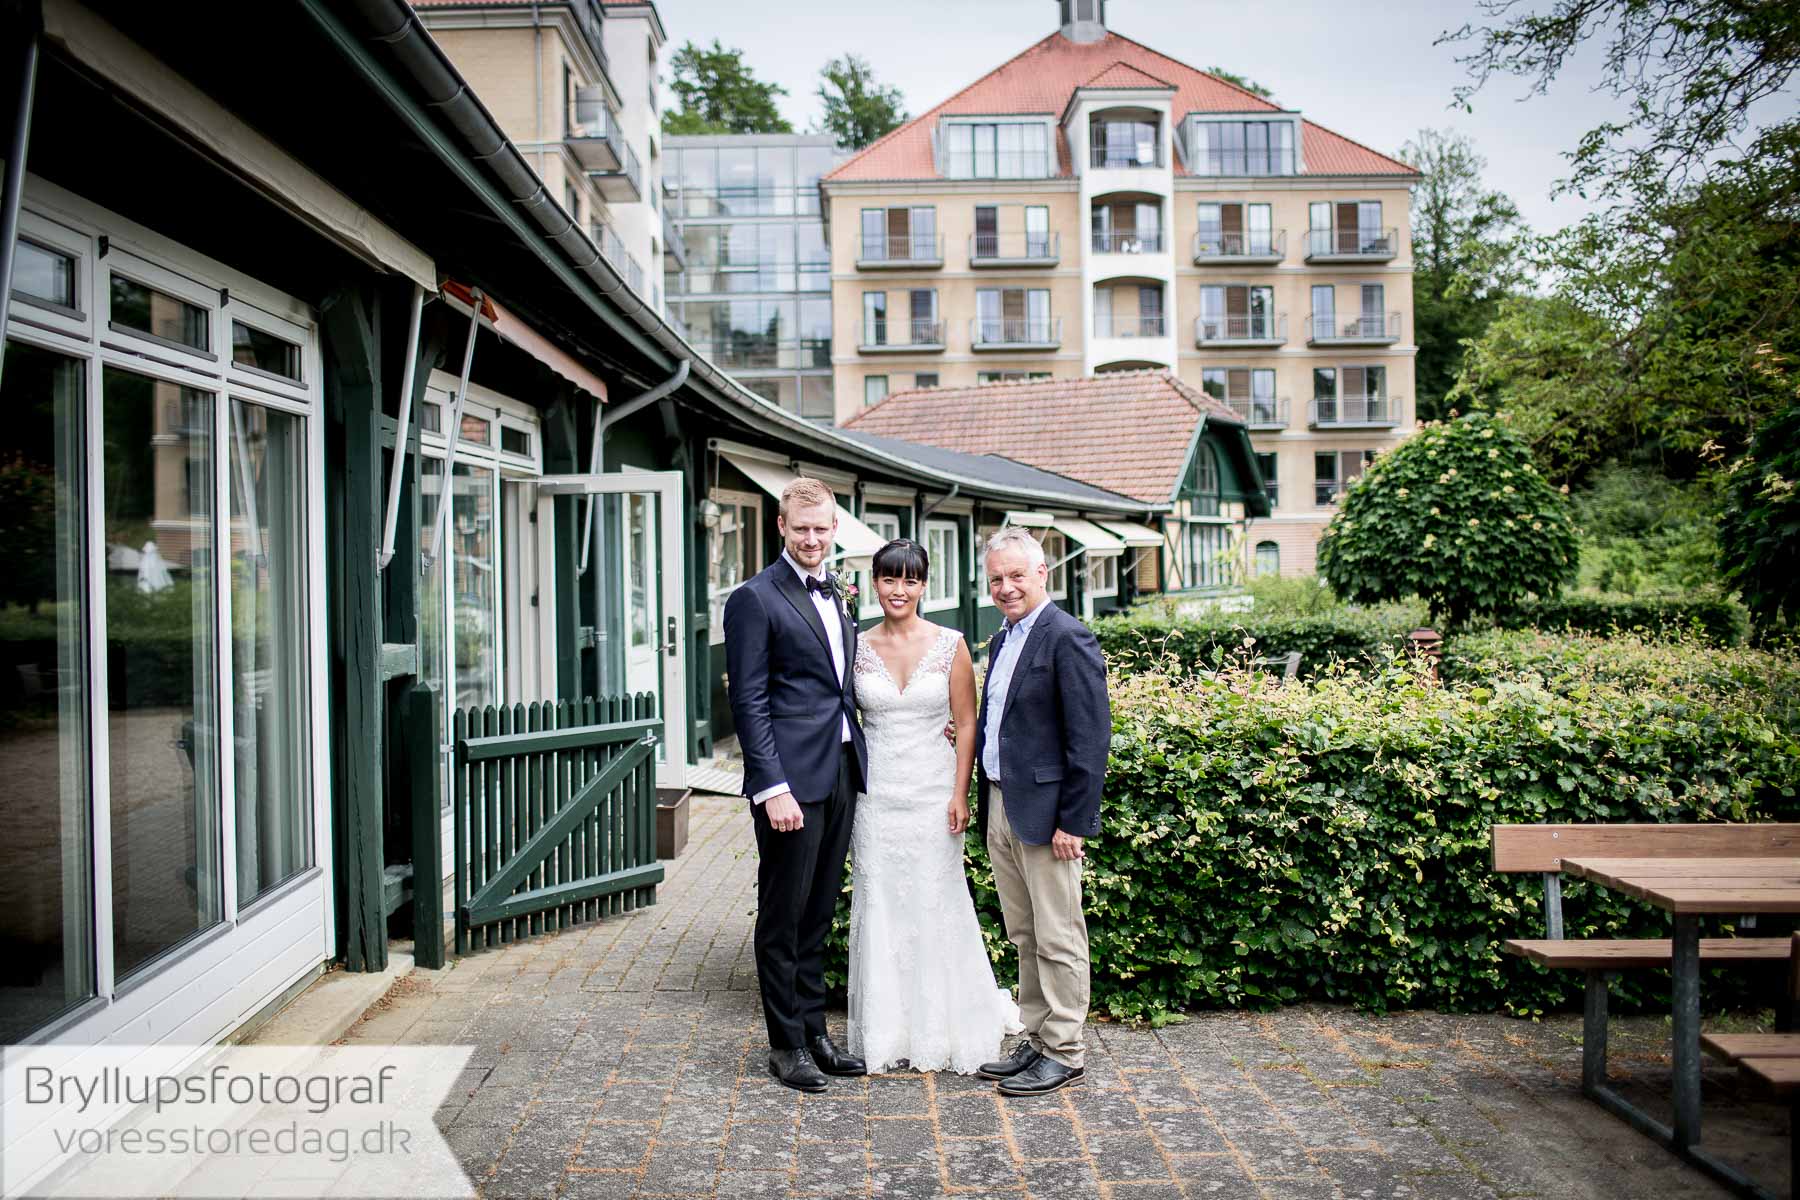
921, 987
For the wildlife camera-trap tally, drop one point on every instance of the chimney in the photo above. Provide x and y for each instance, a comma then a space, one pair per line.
1083, 20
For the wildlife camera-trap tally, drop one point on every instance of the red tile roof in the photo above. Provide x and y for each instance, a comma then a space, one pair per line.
1041, 81
1128, 432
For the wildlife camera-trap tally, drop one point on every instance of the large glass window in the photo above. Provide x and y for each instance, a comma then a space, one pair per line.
471, 545
1243, 148
44, 274
1203, 556
887, 527
733, 550
270, 676
157, 464
1006, 150
1237, 312
46, 864
946, 565
1268, 463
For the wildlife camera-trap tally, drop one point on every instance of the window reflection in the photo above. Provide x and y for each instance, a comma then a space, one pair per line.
470, 549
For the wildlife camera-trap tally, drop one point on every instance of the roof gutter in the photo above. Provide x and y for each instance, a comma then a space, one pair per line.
493, 167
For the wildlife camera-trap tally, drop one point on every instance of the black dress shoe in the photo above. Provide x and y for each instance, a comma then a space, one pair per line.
833, 1061
1041, 1077
1023, 1055
796, 1069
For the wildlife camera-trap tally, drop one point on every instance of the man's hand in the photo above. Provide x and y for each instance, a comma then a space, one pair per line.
1066, 846
784, 813
950, 733
959, 813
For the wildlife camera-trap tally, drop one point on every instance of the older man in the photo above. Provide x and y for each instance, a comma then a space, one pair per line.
1040, 750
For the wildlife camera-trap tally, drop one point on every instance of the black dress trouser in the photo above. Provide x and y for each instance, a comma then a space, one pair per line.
798, 877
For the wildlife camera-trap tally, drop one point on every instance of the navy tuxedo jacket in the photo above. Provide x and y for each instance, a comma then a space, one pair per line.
787, 700
1054, 735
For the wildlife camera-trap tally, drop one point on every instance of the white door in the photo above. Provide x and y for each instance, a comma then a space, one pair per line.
646, 590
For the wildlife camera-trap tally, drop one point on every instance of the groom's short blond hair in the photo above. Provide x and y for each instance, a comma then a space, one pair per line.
806, 493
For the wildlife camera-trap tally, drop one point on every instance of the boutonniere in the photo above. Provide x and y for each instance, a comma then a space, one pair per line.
844, 590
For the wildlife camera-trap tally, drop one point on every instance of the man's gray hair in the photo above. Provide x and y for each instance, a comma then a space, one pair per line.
1015, 537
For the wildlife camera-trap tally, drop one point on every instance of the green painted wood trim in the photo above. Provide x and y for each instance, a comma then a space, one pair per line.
478, 749
419, 726
527, 857
611, 884
399, 660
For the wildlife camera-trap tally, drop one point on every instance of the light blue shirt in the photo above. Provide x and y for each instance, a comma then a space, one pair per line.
1000, 673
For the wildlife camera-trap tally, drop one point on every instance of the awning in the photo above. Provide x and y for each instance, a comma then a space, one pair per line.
511, 329
1030, 520
1135, 536
1089, 536
856, 542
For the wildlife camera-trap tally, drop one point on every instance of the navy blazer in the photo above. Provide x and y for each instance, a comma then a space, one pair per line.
786, 698
1054, 735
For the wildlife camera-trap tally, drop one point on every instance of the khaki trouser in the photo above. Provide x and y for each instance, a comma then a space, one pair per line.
1040, 895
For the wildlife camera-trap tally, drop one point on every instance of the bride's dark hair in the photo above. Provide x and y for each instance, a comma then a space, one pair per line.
901, 558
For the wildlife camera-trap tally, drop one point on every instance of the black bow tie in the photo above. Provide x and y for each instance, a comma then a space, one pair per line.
821, 586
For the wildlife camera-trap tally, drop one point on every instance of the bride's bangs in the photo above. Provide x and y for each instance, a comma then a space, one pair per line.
901, 558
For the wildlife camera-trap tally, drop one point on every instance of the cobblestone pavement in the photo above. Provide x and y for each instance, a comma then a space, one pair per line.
626, 1058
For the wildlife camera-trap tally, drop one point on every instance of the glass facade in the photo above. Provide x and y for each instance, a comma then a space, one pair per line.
754, 293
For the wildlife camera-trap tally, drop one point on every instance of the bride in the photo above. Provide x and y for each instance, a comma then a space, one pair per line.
922, 991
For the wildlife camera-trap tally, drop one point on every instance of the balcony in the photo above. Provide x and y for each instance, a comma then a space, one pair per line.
674, 245
746, 351
1121, 145
1129, 327
1128, 243
1351, 245
996, 250
1354, 412
923, 337
1015, 333
624, 185
1245, 332
1370, 329
1213, 248
594, 137
901, 252
614, 252
1258, 412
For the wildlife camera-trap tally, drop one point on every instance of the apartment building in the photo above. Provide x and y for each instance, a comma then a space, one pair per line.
750, 275
573, 83
1092, 205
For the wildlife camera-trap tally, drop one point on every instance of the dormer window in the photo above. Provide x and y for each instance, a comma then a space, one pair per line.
997, 150
1119, 140
1244, 147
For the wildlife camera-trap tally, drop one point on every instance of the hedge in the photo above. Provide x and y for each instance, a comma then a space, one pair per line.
1263, 844
1150, 638
1713, 615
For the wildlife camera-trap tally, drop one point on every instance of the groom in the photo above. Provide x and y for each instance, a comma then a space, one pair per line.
789, 647
1040, 748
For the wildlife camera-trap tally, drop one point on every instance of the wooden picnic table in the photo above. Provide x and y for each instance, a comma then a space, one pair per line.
1689, 888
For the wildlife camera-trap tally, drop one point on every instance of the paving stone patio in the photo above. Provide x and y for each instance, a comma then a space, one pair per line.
626, 1058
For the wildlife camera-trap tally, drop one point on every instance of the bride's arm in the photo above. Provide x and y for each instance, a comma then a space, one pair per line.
964, 712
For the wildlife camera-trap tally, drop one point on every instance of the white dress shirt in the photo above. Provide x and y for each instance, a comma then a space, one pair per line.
1000, 673
832, 618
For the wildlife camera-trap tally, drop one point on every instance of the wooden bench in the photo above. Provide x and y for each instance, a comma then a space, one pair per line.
1540, 849
1770, 1062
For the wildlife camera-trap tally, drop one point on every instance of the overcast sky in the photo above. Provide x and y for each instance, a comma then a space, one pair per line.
1368, 71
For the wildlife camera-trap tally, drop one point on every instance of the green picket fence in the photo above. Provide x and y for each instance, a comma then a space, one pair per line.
554, 815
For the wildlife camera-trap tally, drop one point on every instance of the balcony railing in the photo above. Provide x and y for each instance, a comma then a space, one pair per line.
1250, 329
901, 250
1014, 333
674, 245
1015, 249
624, 185
1129, 327
593, 137
1259, 412
1369, 329
1258, 246
1113, 156
614, 252
1326, 491
1357, 244
922, 335
1328, 412
752, 352
1128, 243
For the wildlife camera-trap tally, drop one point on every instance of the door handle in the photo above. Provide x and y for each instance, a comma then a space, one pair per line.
672, 644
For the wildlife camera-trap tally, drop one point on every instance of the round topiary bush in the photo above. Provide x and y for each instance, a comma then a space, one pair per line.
1457, 515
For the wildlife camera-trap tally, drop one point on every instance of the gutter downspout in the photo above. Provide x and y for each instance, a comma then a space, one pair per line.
597, 459
941, 501
17, 149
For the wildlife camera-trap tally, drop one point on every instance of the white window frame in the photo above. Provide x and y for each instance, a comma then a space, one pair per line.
983, 598
888, 525
1056, 550
1102, 575
200, 986
729, 498
946, 568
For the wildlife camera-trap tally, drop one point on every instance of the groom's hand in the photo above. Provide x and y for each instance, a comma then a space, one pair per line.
784, 813
1066, 846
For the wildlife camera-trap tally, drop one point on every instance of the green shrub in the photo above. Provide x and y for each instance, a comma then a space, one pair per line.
1642, 532
1150, 638
1707, 613
1263, 844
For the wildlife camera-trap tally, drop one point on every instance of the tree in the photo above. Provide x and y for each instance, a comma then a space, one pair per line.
1249, 85
1457, 515
1465, 241
858, 109
1759, 533
719, 94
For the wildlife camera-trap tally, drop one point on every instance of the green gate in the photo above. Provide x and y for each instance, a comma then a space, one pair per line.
554, 815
